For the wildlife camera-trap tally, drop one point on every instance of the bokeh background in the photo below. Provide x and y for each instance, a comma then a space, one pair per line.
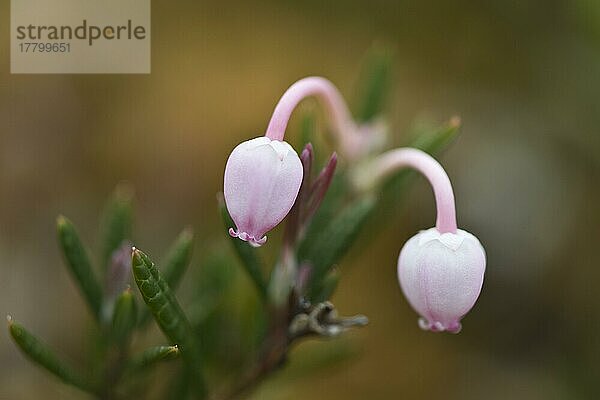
524, 75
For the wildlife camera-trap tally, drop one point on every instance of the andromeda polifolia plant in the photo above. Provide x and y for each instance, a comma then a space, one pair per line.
239, 317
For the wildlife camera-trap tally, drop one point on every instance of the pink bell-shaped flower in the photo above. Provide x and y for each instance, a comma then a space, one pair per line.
440, 269
263, 175
441, 276
262, 180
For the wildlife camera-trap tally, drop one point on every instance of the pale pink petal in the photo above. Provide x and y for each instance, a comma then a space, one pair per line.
261, 182
441, 276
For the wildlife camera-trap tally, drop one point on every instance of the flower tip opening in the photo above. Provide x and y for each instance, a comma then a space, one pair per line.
454, 327
252, 241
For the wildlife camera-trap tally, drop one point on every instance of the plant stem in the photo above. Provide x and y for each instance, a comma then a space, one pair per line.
340, 116
273, 354
394, 160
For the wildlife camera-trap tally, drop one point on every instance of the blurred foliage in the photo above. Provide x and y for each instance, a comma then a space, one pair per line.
237, 349
117, 319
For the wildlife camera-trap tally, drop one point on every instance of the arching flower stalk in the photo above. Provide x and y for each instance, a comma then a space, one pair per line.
263, 175
440, 269
352, 140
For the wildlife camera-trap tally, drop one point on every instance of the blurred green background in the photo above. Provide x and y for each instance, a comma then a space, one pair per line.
523, 75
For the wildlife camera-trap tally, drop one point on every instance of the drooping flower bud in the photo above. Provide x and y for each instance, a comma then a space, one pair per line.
262, 179
441, 276
263, 175
441, 269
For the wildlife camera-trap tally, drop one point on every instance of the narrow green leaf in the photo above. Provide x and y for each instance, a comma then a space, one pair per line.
434, 139
154, 355
316, 357
169, 316
177, 260
330, 245
323, 290
124, 316
79, 264
213, 280
375, 84
246, 254
39, 353
116, 222
334, 201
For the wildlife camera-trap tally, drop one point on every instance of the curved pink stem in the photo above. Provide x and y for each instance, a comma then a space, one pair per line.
436, 175
341, 118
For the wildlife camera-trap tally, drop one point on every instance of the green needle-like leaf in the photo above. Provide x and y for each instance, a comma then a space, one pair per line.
154, 355
329, 245
38, 352
433, 140
323, 290
124, 316
334, 201
116, 222
169, 316
246, 254
213, 282
375, 84
79, 264
178, 258
316, 357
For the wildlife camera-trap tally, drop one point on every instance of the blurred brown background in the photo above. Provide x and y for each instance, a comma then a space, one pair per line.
524, 76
